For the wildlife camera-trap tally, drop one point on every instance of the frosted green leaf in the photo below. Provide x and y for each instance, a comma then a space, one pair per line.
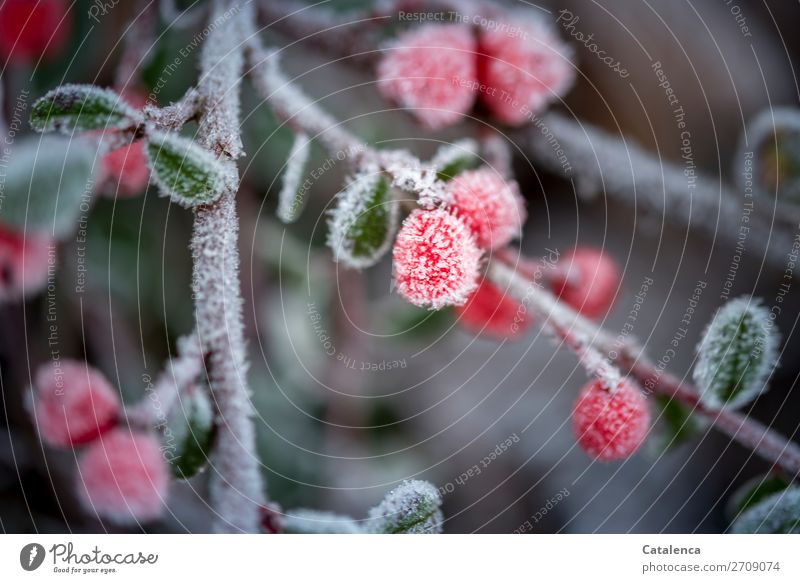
454, 158
413, 507
736, 355
82, 107
776, 514
362, 224
304, 521
184, 171
293, 194
192, 434
47, 180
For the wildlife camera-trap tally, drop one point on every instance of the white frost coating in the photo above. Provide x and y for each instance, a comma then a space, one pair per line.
174, 184
305, 521
352, 203
291, 198
235, 484
411, 508
451, 153
411, 175
776, 514
737, 354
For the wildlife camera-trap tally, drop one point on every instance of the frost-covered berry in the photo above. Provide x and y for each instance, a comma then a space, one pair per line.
494, 313
492, 208
587, 280
123, 477
431, 70
32, 28
523, 72
73, 403
610, 425
23, 262
436, 259
124, 171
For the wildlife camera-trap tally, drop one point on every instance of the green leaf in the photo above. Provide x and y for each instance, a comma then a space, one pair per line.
679, 423
413, 507
754, 491
363, 223
47, 181
736, 355
82, 107
778, 513
184, 171
192, 434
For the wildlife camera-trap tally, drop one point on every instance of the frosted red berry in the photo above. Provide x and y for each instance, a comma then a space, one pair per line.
30, 29
491, 206
124, 171
494, 313
431, 70
24, 260
123, 477
587, 280
523, 72
436, 259
610, 425
73, 403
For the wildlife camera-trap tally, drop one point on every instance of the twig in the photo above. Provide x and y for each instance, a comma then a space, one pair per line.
575, 330
236, 486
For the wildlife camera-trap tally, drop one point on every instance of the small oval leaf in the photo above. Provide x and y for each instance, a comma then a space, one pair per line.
775, 514
82, 107
184, 171
737, 354
294, 192
364, 220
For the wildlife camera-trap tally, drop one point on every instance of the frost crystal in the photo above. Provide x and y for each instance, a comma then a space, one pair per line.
184, 171
364, 220
737, 354
777, 514
436, 259
432, 71
304, 521
292, 197
414, 507
82, 107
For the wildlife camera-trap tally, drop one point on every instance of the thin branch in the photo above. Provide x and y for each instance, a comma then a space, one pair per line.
236, 485
174, 116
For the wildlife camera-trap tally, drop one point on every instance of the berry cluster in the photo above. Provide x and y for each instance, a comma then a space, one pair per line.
439, 71
122, 475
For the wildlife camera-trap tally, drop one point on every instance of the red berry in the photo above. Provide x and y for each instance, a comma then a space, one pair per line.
494, 313
610, 425
523, 72
123, 477
74, 403
587, 280
436, 259
30, 29
431, 70
492, 208
24, 261
124, 171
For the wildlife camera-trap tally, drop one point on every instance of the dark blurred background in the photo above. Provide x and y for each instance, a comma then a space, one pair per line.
335, 437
